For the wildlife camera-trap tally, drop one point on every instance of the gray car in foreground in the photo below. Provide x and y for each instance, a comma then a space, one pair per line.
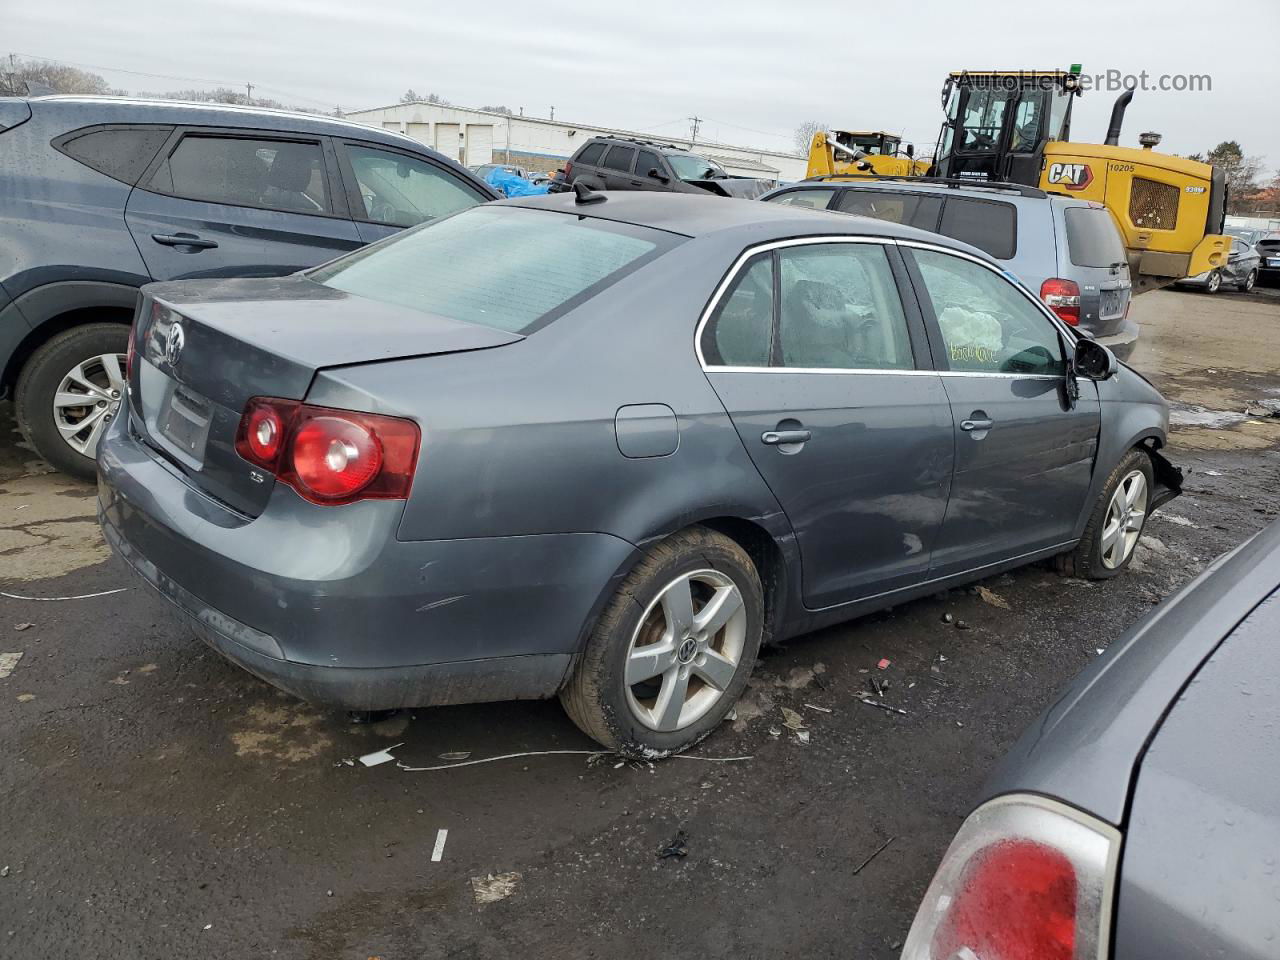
1139, 817
603, 446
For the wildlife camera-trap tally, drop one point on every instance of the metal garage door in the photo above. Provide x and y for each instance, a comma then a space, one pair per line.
479, 144
447, 139
391, 125
420, 132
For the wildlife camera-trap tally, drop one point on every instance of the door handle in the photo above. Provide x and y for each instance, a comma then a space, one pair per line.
968, 426
776, 437
183, 240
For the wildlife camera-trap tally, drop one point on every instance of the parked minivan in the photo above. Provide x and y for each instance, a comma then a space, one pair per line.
1067, 250
104, 194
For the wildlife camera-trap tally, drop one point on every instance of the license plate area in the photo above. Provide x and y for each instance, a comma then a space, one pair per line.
184, 422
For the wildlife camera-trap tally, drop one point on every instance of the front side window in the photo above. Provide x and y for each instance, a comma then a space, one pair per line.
988, 325
840, 309
647, 161
504, 267
809, 199
403, 191
246, 172
989, 225
912, 209
620, 158
983, 120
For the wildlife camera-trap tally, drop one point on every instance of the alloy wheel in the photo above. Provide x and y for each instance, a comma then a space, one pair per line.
1250, 280
87, 399
1214, 282
1125, 515
686, 650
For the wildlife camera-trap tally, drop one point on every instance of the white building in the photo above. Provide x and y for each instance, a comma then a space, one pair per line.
473, 137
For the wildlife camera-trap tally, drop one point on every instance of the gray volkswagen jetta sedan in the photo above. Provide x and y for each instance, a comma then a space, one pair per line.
604, 446
1139, 817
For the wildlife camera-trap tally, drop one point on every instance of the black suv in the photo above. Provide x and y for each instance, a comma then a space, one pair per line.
618, 163
102, 195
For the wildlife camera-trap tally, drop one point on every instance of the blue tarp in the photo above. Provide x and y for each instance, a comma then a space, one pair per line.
510, 185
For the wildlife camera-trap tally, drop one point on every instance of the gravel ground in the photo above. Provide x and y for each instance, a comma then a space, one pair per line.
159, 803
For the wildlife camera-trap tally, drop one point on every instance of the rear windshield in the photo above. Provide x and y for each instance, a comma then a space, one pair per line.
505, 267
1092, 238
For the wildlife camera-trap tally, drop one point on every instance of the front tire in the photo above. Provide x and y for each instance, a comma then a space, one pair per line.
673, 649
68, 391
1250, 282
1214, 283
1116, 523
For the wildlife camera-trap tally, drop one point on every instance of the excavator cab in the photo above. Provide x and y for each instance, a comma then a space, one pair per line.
999, 123
862, 153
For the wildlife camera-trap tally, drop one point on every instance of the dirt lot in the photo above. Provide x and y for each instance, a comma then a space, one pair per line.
159, 803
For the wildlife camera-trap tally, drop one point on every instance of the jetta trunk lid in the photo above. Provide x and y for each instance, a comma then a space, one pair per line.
204, 348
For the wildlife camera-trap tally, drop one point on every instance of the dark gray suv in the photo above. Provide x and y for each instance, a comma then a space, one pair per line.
620, 163
105, 194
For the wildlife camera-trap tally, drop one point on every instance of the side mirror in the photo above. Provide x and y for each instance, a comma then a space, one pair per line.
1094, 361
657, 174
911, 149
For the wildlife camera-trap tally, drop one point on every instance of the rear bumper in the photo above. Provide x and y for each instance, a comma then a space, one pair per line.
1123, 341
326, 604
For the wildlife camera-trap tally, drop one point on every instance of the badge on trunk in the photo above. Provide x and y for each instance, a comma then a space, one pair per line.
173, 346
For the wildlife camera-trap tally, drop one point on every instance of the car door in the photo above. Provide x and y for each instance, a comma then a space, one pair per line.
616, 166
1024, 449
237, 203
646, 161
388, 189
823, 369
1241, 261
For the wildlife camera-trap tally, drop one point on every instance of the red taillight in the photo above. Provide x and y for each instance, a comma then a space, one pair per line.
1063, 298
1016, 901
568, 168
330, 456
1026, 878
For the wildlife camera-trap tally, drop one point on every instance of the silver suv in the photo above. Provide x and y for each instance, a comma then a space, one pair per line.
1067, 250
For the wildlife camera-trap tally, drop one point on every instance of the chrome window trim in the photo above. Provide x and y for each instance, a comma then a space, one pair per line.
1057, 324
778, 245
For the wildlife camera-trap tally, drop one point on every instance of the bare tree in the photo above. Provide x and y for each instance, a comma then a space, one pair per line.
15, 73
411, 97
503, 110
1241, 173
804, 134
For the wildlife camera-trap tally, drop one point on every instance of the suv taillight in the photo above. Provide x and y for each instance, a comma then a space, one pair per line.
1026, 878
1063, 298
329, 456
568, 168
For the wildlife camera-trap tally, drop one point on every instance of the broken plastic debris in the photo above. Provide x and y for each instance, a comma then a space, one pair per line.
884, 664
592, 757
802, 736
495, 887
993, 598
882, 706
814, 706
678, 847
948, 618
82, 596
437, 851
456, 755
791, 719
775, 732
23, 626
379, 756
879, 850
8, 662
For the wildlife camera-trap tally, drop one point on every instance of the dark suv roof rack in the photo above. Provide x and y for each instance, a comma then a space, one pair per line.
647, 143
954, 182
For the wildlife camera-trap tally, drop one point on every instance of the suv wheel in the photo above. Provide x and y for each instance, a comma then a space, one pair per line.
673, 649
69, 390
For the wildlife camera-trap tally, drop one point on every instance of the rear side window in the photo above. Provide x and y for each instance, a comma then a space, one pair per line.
1092, 238
620, 158
246, 172
509, 268
987, 224
591, 154
121, 153
740, 333
809, 199
911, 209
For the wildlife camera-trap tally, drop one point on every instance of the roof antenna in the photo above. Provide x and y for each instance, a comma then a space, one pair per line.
584, 194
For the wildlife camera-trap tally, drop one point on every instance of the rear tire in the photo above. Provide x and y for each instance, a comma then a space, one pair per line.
687, 663
1116, 524
45, 376
1250, 282
1214, 283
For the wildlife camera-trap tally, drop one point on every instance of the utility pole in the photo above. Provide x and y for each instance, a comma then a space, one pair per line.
553, 113
696, 123
248, 94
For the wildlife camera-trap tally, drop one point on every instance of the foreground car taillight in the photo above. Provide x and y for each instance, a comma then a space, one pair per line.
1063, 298
1026, 878
330, 456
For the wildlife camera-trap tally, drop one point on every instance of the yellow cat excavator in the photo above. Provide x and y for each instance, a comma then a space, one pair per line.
861, 152
1015, 127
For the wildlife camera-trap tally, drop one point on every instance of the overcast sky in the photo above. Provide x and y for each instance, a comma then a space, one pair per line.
753, 71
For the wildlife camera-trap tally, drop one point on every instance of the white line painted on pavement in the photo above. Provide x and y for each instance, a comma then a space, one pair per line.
438, 852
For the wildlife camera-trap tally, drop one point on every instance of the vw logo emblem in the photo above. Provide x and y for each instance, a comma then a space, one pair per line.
173, 346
